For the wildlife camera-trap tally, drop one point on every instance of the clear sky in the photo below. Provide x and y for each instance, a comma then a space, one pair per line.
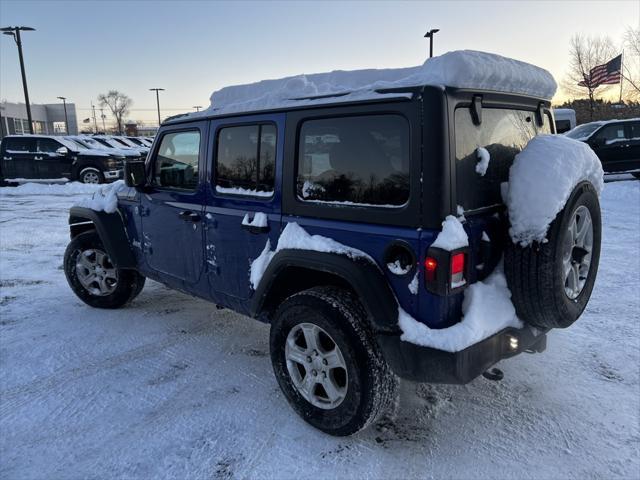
190, 48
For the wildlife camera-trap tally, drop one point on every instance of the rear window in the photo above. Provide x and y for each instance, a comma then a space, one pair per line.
361, 160
503, 133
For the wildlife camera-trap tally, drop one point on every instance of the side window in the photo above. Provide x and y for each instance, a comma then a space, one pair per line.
634, 131
354, 160
48, 145
611, 134
246, 160
176, 163
19, 145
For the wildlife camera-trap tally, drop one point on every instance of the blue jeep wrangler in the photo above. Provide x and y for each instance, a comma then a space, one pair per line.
361, 188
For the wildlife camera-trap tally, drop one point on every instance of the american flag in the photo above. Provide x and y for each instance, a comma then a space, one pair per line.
605, 74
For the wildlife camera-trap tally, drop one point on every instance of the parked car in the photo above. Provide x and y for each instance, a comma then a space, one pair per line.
323, 216
129, 143
45, 157
565, 119
111, 141
616, 142
93, 144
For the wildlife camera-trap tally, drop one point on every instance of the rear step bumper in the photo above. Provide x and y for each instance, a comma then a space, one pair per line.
423, 364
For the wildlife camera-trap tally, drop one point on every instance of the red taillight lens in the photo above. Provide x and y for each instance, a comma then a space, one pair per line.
430, 266
457, 270
457, 263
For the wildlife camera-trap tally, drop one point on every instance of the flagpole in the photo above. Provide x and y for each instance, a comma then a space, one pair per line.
621, 75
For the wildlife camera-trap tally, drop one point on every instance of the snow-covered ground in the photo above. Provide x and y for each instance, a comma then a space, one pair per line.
172, 388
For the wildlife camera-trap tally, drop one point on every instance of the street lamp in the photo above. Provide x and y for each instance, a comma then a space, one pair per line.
197, 107
430, 35
15, 33
157, 100
66, 120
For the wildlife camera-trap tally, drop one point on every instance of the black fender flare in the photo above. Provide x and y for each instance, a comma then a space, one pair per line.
364, 277
110, 229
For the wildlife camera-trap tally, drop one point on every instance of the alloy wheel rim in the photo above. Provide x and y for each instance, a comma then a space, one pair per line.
96, 273
90, 177
577, 252
316, 366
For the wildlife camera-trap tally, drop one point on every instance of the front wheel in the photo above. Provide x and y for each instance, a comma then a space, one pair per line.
91, 175
94, 278
327, 362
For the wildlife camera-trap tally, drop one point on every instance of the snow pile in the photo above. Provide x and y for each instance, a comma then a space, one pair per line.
242, 191
452, 235
413, 286
459, 69
541, 179
486, 310
72, 188
105, 199
397, 269
483, 160
295, 237
259, 220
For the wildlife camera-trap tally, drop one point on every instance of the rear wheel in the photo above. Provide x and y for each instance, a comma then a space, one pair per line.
327, 362
94, 278
551, 282
91, 175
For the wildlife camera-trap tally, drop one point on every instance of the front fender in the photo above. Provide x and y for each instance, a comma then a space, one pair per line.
110, 229
365, 278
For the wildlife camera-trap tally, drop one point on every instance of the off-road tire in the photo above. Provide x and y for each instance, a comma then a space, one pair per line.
535, 273
82, 176
128, 286
371, 386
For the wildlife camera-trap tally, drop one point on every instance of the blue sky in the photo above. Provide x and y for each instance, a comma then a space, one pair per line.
190, 48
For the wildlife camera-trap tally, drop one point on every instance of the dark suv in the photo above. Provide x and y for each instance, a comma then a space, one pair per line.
38, 157
324, 218
616, 142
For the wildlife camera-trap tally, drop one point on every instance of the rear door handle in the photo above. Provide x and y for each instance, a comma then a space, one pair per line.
189, 216
37, 158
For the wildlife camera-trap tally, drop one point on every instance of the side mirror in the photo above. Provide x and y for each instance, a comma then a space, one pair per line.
63, 151
134, 174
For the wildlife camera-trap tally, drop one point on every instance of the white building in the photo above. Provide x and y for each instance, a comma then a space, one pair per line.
47, 118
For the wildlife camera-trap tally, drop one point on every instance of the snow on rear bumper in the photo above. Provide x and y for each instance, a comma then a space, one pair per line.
424, 364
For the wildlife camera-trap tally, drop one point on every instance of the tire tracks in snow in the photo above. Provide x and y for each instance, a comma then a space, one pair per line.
15, 397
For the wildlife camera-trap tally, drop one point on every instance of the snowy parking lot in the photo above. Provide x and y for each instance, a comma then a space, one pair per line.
170, 387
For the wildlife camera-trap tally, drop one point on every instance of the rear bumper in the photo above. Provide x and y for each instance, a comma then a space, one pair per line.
423, 364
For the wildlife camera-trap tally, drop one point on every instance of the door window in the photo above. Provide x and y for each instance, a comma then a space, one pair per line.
634, 131
246, 160
176, 163
20, 145
611, 134
48, 145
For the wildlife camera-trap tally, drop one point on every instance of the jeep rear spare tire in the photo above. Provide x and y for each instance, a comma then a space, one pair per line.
551, 281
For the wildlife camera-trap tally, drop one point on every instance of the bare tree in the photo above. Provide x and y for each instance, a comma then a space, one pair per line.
118, 103
631, 63
584, 54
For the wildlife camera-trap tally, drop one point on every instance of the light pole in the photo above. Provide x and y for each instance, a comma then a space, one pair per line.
157, 100
197, 107
66, 120
15, 33
430, 35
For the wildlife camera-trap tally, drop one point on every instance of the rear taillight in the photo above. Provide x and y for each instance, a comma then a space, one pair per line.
445, 271
457, 270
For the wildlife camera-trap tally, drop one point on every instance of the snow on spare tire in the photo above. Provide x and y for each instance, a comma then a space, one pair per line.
554, 212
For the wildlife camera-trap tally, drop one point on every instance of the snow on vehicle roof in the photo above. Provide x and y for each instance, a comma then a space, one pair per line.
459, 69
